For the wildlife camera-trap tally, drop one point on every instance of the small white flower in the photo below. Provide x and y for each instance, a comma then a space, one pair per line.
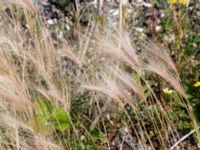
158, 28
167, 91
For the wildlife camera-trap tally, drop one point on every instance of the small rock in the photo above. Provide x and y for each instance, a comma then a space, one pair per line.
139, 29
50, 22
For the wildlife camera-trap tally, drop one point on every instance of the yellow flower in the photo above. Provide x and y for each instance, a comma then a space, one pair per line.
196, 84
183, 2
172, 1
167, 91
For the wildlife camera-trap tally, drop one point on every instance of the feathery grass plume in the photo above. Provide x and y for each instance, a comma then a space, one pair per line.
49, 90
14, 100
113, 93
129, 48
10, 127
28, 4
43, 143
21, 136
35, 64
69, 52
22, 64
112, 89
154, 51
162, 71
55, 94
45, 61
12, 88
126, 79
10, 121
126, 53
13, 94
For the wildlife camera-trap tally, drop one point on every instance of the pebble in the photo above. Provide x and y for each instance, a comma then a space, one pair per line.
147, 5
50, 22
139, 29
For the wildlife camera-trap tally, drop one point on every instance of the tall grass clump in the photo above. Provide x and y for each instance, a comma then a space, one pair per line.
59, 95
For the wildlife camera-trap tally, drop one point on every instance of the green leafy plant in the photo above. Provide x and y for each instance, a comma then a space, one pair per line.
48, 119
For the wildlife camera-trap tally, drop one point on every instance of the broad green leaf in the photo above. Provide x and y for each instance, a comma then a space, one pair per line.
60, 120
62, 126
60, 115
